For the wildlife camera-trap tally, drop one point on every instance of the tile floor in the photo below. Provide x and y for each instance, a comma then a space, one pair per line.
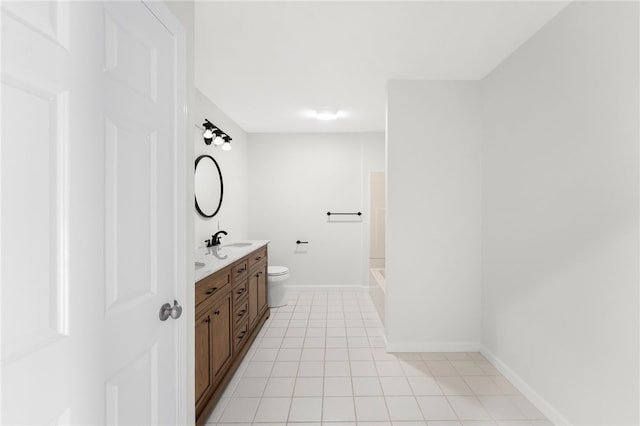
320, 360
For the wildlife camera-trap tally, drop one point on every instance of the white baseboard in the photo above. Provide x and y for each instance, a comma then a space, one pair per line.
433, 346
538, 401
326, 287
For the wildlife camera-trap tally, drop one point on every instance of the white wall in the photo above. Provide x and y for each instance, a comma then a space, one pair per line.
233, 214
433, 216
560, 215
294, 180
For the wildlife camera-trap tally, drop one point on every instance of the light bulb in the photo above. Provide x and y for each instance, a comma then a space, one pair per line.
226, 146
218, 140
207, 134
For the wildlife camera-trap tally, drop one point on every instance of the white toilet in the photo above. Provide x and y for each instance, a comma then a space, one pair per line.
276, 276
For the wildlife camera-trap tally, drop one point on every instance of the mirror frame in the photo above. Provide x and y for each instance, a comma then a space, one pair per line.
200, 158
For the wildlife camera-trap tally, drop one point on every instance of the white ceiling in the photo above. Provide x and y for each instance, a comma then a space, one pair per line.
266, 64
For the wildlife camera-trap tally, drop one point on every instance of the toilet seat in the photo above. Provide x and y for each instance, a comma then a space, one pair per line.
276, 271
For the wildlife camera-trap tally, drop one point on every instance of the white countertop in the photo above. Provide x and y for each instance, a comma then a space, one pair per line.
216, 258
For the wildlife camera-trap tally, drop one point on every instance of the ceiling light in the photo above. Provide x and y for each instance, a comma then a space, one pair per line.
326, 115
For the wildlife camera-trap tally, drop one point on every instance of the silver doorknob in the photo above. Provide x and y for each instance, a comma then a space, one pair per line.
167, 311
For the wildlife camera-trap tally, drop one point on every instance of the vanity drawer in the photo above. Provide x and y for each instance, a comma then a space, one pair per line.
258, 258
240, 290
239, 270
241, 313
211, 285
240, 335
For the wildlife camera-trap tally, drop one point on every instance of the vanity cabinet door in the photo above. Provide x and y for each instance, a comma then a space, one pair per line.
204, 373
220, 334
257, 285
253, 298
262, 288
257, 294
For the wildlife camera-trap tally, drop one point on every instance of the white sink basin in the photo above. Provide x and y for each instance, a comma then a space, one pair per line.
237, 245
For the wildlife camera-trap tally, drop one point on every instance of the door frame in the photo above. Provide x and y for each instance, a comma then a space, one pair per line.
184, 350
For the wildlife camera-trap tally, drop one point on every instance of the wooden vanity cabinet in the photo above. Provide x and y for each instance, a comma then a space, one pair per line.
228, 319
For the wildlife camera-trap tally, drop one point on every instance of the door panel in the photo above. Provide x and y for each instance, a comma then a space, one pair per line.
35, 312
49, 19
132, 394
131, 270
44, 288
130, 59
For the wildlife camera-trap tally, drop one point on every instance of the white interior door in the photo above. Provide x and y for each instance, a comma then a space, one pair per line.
91, 224
141, 216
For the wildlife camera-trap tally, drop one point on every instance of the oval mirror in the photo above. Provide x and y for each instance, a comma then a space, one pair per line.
208, 186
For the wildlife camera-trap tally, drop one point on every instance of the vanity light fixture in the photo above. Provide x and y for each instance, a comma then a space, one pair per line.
212, 133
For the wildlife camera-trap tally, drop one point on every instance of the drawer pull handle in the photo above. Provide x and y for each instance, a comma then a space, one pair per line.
241, 313
212, 290
208, 320
241, 291
259, 257
239, 271
217, 312
241, 335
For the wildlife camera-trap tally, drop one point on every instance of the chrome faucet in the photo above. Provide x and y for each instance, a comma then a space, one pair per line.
215, 238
